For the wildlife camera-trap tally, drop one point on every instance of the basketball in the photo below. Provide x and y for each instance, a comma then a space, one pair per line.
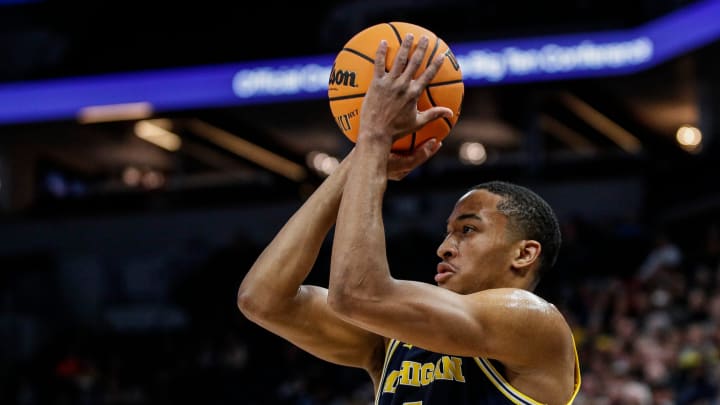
353, 70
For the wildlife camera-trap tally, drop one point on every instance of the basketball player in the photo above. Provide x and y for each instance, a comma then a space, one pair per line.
480, 336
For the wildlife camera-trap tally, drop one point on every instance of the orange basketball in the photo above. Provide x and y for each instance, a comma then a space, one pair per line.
353, 70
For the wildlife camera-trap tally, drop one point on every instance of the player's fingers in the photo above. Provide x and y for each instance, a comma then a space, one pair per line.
401, 58
416, 58
419, 156
430, 72
426, 151
432, 114
380, 55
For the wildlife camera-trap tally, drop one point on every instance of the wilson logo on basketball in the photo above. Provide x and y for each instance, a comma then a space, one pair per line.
342, 77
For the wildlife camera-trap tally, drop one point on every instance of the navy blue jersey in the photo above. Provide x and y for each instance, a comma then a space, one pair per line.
414, 376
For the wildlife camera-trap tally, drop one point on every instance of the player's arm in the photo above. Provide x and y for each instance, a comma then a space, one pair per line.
510, 325
272, 294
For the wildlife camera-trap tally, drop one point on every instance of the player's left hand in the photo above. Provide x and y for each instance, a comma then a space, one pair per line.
400, 165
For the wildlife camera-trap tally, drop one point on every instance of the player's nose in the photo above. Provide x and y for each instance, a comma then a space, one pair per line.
447, 249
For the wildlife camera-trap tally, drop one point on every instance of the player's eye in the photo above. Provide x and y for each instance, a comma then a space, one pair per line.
467, 229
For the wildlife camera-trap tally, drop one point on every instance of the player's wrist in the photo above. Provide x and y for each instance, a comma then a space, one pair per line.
375, 139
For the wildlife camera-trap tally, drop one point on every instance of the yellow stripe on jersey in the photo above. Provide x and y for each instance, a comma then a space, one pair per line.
578, 378
511, 393
392, 345
515, 396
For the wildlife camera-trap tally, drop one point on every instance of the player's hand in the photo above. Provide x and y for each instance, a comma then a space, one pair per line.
400, 166
389, 109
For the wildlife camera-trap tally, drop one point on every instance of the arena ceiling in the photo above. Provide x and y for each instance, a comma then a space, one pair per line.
235, 155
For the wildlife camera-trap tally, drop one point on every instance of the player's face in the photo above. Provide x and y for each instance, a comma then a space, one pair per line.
477, 251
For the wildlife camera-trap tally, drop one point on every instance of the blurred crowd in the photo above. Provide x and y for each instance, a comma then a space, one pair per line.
652, 336
644, 306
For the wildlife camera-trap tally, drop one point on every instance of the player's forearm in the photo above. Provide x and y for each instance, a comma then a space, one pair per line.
359, 268
274, 279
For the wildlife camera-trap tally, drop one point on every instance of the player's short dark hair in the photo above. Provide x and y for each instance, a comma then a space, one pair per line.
530, 216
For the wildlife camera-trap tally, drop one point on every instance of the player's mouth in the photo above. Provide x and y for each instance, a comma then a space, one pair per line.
444, 272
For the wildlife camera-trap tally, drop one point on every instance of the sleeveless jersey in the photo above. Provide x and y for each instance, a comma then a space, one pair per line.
414, 376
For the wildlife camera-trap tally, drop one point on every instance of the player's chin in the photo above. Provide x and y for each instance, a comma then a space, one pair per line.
446, 284
453, 283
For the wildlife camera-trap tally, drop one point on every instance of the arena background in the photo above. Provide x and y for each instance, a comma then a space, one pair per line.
120, 259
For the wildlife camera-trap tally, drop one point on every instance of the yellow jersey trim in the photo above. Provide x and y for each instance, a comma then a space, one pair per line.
392, 345
515, 396
512, 393
578, 377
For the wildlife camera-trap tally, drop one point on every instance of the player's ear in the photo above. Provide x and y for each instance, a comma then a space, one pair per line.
526, 253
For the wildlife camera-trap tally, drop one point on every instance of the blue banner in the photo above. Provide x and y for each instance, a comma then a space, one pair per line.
483, 63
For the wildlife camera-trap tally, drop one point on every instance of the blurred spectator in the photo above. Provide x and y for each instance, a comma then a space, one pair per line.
665, 255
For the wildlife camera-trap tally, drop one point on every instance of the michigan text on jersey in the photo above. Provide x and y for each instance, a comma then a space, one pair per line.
416, 374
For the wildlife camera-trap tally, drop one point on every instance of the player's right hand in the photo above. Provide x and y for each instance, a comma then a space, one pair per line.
389, 109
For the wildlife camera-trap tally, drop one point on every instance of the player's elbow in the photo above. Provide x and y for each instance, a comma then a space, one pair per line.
249, 303
355, 304
340, 296
245, 301
351, 298
340, 301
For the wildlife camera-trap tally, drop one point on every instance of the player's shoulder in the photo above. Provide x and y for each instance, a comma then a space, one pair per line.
524, 300
517, 294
